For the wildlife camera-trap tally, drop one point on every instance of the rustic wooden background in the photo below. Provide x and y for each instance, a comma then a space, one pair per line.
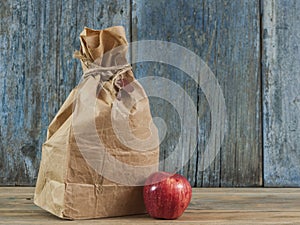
251, 46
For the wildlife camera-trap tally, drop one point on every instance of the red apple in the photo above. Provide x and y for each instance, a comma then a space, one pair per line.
166, 195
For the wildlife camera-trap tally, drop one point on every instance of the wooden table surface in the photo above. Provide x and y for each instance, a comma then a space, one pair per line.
208, 206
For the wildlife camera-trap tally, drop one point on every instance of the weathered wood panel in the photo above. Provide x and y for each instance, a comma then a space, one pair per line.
226, 35
281, 70
37, 71
208, 206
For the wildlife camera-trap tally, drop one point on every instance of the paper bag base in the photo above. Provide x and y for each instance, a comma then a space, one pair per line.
67, 201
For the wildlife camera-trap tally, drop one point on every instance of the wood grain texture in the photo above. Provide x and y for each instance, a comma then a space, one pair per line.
208, 206
226, 35
37, 72
281, 102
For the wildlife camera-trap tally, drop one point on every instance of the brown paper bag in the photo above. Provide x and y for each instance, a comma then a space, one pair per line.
102, 143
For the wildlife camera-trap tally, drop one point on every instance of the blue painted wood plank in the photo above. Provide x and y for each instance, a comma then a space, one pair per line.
37, 72
281, 91
226, 35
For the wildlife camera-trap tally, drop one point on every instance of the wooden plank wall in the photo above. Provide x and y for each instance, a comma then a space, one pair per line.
281, 70
226, 35
37, 71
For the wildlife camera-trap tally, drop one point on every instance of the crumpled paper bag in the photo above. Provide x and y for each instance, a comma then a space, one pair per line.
102, 144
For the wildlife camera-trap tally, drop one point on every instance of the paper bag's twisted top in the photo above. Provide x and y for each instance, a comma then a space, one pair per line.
105, 48
103, 53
